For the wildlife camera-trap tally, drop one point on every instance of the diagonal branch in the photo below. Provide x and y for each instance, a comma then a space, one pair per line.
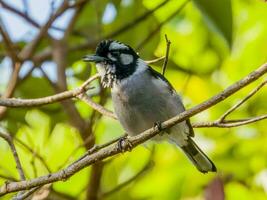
13, 102
9, 140
113, 149
222, 118
223, 123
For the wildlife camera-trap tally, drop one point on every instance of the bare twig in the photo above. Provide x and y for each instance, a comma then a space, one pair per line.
84, 97
8, 43
229, 123
113, 149
10, 87
13, 102
155, 60
147, 167
29, 49
24, 195
223, 123
168, 44
157, 29
9, 140
46, 54
136, 21
222, 118
37, 155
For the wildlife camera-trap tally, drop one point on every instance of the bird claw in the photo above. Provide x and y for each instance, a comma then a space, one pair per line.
124, 144
157, 127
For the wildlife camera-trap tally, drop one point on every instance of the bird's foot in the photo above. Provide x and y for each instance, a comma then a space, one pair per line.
157, 127
124, 144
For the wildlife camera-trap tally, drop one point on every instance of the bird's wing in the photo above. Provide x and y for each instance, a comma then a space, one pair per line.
158, 75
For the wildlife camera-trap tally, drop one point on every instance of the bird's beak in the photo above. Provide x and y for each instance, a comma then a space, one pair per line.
94, 58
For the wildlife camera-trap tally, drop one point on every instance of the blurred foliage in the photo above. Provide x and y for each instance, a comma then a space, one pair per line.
213, 44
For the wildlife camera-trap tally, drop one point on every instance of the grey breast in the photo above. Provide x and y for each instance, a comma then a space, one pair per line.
142, 101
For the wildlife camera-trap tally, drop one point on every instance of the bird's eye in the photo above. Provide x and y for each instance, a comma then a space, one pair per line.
115, 53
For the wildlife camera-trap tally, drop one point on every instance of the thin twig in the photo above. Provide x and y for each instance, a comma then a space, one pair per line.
24, 195
46, 54
222, 118
37, 155
168, 44
113, 149
9, 140
155, 60
84, 97
229, 123
11, 86
139, 174
158, 28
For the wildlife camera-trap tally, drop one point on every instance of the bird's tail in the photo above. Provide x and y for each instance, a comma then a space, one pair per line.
198, 157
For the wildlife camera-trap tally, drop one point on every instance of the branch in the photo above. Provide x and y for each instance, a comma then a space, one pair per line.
168, 43
223, 123
36, 154
14, 102
113, 149
12, 83
157, 29
222, 118
155, 60
11, 51
9, 140
147, 167
29, 49
84, 97
136, 21
46, 54
229, 123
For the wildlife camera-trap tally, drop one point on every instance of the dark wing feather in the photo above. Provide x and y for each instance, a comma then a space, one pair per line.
156, 74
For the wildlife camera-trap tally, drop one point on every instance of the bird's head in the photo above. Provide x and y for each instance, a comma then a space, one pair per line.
114, 61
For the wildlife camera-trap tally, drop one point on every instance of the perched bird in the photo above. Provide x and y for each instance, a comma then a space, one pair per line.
142, 97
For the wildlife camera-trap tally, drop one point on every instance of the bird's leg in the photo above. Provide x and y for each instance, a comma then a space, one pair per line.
124, 144
157, 127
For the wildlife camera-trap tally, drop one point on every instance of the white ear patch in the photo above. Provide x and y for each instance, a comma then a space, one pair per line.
111, 57
126, 59
116, 46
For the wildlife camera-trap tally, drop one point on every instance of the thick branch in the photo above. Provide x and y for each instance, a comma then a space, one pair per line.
113, 149
13, 102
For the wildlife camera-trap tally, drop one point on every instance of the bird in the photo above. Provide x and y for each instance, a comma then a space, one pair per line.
142, 97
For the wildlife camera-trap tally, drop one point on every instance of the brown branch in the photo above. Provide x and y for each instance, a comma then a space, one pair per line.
12, 83
222, 118
168, 44
24, 195
155, 60
95, 180
29, 49
14, 102
134, 140
36, 154
9, 140
158, 28
136, 21
223, 123
11, 51
229, 123
84, 97
147, 167
46, 54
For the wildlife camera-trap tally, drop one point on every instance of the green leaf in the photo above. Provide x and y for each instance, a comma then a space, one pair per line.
218, 15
